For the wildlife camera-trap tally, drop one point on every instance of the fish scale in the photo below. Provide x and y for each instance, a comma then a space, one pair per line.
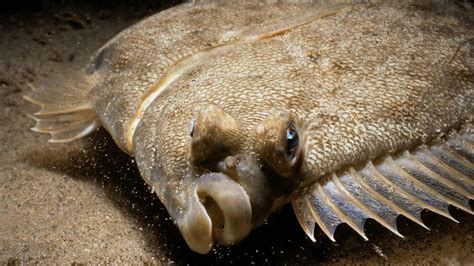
379, 100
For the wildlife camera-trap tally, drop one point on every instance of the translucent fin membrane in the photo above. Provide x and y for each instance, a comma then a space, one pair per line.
427, 178
464, 148
66, 114
305, 218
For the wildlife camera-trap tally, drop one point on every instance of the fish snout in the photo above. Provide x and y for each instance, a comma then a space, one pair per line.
219, 210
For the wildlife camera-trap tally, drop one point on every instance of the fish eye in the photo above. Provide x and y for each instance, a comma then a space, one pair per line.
191, 127
213, 136
279, 143
292, 140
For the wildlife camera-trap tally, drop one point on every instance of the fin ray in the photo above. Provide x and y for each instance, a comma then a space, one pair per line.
403, 184
322, 213
406, 185
434, 164
386, 194
430, 181
304, 217
385, 215
454, 160
66, 111
463, 148
349, 214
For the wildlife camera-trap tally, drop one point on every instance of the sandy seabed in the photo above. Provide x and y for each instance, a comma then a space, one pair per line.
84, 202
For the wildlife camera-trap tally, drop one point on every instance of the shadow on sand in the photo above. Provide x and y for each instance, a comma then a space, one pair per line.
100, 161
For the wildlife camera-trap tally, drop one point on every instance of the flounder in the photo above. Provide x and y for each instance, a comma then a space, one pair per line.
348, 111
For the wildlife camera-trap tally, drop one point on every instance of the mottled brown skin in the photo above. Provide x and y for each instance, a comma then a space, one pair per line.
355, 82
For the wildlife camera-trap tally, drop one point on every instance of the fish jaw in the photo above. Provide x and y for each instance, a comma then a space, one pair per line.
221, 205
225, 206
219, 210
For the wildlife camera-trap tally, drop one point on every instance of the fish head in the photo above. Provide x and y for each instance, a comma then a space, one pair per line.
217, 175
242, 174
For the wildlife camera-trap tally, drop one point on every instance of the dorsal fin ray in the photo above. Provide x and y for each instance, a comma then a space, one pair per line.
430, 178
437, 166
383, 214
410, 188
464, 148
435, 184
454, 160
348, 212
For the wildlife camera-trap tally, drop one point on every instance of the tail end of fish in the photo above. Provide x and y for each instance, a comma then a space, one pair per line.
66, 109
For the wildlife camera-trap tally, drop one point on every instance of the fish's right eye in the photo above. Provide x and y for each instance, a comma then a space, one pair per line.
279, 143
292, 141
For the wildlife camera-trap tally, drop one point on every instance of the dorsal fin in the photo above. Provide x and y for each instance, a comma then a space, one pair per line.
429, 177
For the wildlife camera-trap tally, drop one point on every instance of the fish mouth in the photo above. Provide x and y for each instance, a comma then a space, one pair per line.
219, 210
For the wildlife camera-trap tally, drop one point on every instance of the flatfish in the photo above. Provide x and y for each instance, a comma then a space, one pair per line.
231, 110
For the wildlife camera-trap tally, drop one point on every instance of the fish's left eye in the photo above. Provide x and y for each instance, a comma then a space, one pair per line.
214, 135
291, 141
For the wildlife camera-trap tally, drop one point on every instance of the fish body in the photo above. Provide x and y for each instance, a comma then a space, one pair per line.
231, 110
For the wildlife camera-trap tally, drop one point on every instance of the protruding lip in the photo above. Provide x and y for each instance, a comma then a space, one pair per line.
219, 210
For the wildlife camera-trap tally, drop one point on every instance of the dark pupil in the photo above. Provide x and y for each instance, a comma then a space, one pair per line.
291, 140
